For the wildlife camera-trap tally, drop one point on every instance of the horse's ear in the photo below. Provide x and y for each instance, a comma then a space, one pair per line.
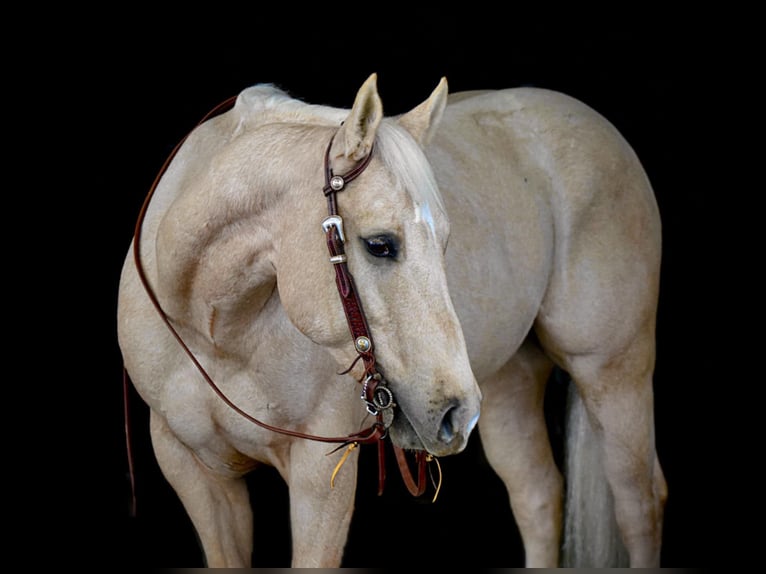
423, 120
359, 128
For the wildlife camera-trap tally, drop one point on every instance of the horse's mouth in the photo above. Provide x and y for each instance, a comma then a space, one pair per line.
406, 436
400, 429
403, 433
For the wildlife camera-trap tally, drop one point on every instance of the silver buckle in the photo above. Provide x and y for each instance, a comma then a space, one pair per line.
337, 222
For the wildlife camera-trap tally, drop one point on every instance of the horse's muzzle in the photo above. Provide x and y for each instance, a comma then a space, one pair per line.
443, 435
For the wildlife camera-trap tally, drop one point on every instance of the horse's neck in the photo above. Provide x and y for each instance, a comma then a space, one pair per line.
214, 241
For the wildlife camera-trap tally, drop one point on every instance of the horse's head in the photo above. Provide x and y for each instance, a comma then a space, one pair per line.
396, 232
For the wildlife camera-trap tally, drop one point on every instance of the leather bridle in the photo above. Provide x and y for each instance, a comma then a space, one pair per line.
377, 397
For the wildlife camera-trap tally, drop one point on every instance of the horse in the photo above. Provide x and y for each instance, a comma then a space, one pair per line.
303, 274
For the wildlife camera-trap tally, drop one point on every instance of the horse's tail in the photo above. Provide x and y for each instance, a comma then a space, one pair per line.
591, 538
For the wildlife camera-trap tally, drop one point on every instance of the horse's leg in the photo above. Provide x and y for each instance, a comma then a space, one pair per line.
515, 439
618, 395
219, 506
320, 514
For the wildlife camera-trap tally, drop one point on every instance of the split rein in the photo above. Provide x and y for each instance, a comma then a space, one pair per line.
377, 397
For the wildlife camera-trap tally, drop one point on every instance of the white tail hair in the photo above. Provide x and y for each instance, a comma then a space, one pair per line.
591, 538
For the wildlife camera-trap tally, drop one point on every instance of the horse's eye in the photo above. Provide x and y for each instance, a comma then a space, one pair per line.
381, 246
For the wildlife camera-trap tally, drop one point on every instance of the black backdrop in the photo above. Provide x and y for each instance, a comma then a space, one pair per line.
143, 95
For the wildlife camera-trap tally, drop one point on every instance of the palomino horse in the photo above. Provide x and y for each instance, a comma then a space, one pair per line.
293, 254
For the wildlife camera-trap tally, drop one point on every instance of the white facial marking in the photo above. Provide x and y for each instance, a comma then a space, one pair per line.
423, 213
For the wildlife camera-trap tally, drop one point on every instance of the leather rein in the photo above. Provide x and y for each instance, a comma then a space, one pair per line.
377, 397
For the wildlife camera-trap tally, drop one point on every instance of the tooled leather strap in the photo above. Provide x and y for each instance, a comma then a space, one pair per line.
355, 317
335, 236
352, 305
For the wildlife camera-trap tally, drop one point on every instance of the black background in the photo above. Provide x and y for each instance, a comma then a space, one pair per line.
146, 86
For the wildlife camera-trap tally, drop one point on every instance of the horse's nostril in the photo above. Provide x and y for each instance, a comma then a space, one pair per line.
447, 430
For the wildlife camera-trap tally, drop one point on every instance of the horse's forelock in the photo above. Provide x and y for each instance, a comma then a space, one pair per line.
406, 161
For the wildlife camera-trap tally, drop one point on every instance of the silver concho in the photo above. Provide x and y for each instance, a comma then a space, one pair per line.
362, 344
337, 183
